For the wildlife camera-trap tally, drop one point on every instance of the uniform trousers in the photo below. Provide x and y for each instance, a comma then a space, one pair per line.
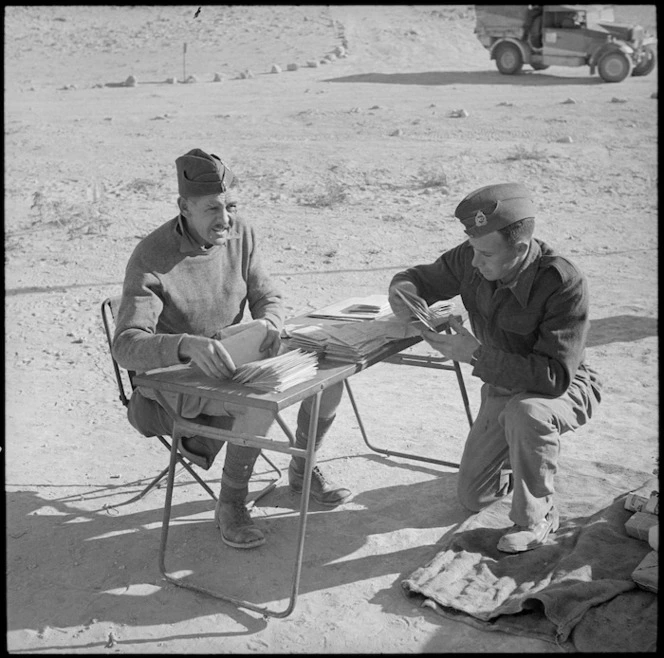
150, 419
522, 432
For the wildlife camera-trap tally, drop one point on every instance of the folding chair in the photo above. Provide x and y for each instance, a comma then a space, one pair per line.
124, 379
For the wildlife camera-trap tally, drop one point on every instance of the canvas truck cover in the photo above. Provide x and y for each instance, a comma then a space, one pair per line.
495, 18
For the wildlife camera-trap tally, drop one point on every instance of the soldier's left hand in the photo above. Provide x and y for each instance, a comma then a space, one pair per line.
458, 347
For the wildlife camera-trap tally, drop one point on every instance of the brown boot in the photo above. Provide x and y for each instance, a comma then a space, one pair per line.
237, 527
323, 490
518, 539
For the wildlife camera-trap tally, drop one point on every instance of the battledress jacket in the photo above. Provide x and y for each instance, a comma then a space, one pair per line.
533, 330
173, 286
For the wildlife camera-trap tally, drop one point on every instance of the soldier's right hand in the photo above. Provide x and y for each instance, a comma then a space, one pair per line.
399, 308
209, 355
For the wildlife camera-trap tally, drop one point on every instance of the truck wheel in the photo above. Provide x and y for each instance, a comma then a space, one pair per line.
508, 59
647, 64
614, 66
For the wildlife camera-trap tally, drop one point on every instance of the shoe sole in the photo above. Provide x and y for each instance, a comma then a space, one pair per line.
319, 500
530, 547
254, 544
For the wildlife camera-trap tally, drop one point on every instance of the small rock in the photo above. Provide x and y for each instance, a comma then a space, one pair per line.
569, 101
217, 77
459, 114
396, 133
330, 57
565, 140
312, 64
130, 81
653, 95
339, 51
191, 79
615, 99
324, 61
375, 107
275, 68
506, 104
171, 81
293, 67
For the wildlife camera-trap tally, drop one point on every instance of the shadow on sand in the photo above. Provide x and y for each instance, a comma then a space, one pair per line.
438, 78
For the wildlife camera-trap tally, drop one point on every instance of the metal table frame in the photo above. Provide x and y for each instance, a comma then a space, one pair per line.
185, 380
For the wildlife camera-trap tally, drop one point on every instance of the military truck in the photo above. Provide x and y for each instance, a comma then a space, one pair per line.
564, 35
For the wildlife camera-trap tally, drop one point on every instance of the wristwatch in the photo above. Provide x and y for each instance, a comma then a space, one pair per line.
475, 356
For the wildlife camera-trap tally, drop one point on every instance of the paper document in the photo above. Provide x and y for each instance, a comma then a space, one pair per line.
423, 313
244, 342
371, 307
278, 372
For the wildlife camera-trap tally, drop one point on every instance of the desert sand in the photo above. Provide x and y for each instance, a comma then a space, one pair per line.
350, 168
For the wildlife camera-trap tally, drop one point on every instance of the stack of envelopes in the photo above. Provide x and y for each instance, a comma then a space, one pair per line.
355, 341
278, 373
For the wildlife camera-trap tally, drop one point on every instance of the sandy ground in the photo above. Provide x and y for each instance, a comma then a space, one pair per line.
350, 171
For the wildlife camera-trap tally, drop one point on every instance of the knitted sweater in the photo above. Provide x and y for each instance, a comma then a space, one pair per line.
173, 287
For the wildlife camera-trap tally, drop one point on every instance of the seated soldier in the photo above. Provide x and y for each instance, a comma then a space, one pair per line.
184, 283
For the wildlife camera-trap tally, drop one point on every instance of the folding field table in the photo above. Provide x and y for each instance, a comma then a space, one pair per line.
187, 380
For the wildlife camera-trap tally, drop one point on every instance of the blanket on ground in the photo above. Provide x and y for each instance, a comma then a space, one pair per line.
575, 591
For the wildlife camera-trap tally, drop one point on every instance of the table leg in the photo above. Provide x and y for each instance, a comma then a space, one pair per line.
310, 458
383, 451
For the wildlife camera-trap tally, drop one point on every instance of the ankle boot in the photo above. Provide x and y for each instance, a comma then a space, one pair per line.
236, 526
323, 490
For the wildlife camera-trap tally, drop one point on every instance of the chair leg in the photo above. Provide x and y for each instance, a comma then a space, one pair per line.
389, 453
145, 491
269, 487
191, 471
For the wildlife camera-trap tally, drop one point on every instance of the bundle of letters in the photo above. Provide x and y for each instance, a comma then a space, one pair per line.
644, 525
278, 373
353, 341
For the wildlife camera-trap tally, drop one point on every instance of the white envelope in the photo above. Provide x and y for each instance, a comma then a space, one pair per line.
244, 343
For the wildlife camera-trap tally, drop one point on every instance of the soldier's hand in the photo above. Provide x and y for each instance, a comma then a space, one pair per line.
458, 347
272, 341
399, 308
209, 355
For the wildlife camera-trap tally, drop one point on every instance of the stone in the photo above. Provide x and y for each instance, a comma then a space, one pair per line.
275, 68
130, 81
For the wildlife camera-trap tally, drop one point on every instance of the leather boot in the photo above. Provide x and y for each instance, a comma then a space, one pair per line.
236, 526
323, 490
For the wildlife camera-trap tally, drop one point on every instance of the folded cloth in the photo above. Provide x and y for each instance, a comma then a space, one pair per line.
548, 592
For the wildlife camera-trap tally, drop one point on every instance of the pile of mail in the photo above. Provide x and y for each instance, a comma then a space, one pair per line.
354, 341
278, 372
243, 343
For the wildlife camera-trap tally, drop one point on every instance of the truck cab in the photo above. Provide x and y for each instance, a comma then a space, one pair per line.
564, 35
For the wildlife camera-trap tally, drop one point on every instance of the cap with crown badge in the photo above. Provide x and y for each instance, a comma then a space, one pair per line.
493, 207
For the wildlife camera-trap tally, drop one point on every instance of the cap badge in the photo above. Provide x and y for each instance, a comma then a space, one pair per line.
480, 218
